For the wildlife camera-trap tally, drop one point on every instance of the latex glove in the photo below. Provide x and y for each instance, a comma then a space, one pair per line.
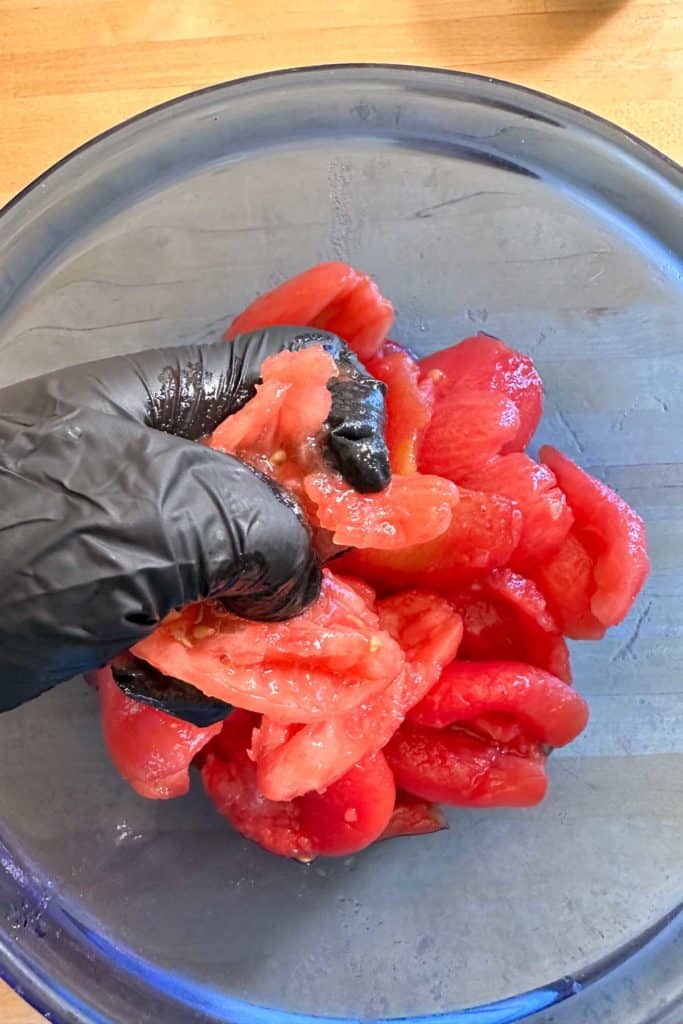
110, 517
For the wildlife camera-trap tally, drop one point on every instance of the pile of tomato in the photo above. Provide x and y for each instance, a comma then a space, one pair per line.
433, 669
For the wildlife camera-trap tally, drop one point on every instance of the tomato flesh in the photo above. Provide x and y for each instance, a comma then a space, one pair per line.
549, 710
151, 750
546, 516
331, 296
413, 509
409, 404
567, 583
483, 533
429, 632
452, 766
279, 432
505, 616
281, 424
324, 662
611, 532
351, 814
467, 429
483, 363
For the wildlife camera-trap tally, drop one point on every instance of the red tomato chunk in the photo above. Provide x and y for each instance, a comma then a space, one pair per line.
453, 766
323, 663
331, 296
152, 750
351, 814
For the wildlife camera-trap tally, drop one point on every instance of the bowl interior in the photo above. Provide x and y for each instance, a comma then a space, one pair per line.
473, 215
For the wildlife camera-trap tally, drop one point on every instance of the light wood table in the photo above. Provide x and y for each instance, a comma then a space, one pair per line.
71, 68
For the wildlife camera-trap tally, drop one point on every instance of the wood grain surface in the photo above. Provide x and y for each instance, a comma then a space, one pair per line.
72, 68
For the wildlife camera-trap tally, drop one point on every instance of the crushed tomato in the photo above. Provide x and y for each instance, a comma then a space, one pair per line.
353, 721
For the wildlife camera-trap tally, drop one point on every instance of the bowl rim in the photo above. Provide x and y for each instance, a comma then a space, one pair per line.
597, 120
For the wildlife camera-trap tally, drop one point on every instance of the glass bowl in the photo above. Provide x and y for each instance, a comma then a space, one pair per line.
477, 205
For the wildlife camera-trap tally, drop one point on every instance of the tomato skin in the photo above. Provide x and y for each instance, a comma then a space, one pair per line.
350, 815
546, 516
413, 817
467, 429
486, 363
548, 710
325, 661
612, 534
330, 296
451, 766
409, 404
150, 749
429, 631
483, 533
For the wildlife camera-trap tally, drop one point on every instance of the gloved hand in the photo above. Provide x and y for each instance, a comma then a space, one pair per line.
110, 516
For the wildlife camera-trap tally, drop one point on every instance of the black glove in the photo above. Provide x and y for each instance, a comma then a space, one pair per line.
106, 524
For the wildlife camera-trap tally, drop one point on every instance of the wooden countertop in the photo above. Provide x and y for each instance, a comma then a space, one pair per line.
71, 68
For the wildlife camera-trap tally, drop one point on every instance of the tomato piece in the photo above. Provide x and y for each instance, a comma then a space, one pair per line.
506, 617
513, 781
409, 404
413, 817
542, 639
361, 588
611, 532
467, 428
353, 811
483, 533
567, 583
150, 749
411, 510
546, 516
325, 661
290, 406
268, 735
452, 766
429, 632
363, 319
490, 628
549, 710
485, 363
280, 430
330, 296
351, 814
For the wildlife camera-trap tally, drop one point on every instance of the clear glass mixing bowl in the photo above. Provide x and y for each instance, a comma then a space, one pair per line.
476, 204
